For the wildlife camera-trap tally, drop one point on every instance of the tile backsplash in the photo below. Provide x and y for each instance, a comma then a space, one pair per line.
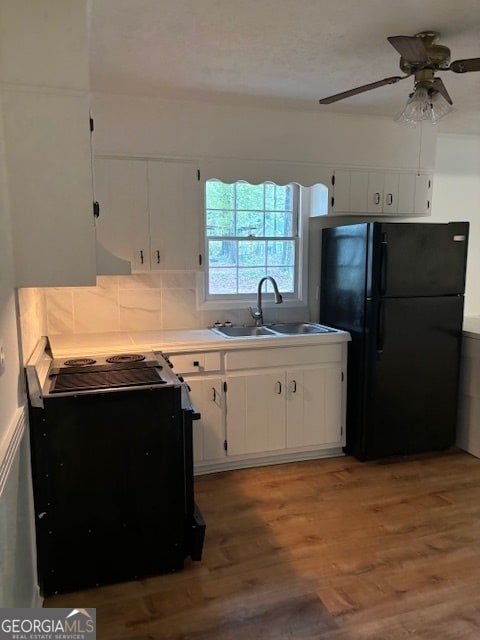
140, 302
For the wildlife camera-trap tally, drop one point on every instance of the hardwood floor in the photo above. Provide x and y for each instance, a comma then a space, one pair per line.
333, 549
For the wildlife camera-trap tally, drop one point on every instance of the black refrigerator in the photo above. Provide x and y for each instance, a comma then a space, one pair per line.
398, 288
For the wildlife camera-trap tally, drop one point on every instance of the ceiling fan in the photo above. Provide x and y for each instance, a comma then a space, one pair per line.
420, 57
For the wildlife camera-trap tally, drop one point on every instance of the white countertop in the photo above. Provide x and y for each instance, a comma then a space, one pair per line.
175, 341
471, 327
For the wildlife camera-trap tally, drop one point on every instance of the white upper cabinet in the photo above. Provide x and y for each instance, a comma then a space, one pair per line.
44, 75
150, 212
122, 226
423, 194
50, 188
174, 201
379, 193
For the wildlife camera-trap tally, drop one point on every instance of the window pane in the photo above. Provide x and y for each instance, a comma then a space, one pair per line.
251, 253
281, 253
250, 223
248, 279
220, 195
284, 277
249, 196
279, 224
220, 223
222, 280
278, 198
222, 253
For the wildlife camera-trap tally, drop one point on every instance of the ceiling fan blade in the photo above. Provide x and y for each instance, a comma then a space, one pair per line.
411, 48
365, 87
440, 87
463, 66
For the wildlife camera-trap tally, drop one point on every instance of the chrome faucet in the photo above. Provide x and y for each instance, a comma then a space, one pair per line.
258, 313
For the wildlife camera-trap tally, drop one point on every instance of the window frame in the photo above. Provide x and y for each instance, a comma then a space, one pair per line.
296, 298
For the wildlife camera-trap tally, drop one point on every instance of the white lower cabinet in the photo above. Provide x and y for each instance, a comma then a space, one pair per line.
209, 432
256, 417
264, 405
314, 407
284, 409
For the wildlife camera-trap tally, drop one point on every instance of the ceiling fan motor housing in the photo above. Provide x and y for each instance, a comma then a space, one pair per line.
438, 55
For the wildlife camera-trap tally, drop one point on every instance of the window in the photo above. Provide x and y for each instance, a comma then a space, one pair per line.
251, 231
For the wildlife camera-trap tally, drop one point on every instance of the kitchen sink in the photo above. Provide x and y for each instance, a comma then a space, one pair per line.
242, 332
294, 328
280, 329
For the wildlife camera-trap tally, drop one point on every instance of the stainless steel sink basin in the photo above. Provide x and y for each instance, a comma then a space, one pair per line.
280, 329
294, 328
242, 332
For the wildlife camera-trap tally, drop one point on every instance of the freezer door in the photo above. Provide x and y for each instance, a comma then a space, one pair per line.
419, 259
412, 376
345, 259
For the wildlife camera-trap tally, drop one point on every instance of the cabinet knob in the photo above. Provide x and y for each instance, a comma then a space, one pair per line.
141, 256
279, 387
158, 256
377, 197
196, 363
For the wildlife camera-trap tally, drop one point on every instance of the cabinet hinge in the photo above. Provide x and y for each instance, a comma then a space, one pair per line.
198, 175
92, 125
225, 387
343, 377
225, 445
96, 209
200, 259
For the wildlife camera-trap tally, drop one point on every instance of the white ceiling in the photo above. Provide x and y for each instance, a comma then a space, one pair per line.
287, 53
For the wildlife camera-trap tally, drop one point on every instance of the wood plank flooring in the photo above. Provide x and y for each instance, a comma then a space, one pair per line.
333, 549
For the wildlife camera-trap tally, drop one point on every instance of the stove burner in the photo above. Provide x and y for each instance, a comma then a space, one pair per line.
79, 362
126, 357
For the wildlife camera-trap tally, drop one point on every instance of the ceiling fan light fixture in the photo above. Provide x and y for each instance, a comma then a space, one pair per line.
424, 104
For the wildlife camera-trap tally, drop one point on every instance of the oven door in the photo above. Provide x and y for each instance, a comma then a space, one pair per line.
109, 487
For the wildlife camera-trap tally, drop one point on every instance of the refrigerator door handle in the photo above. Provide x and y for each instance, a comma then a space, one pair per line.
381, 327
383, 264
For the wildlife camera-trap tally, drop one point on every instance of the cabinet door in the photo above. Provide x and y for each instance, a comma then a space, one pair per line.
209, 432
314, 407
256, 413
423, 194
358, 191
122, 228
341, 192
47, 140
350, 192
375, 192
390, 193
406, 193
175, 204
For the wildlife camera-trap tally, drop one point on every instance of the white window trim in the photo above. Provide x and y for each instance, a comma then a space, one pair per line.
289, 300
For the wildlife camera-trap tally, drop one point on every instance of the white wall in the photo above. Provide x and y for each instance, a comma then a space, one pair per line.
456, 196
150, 127
17, 561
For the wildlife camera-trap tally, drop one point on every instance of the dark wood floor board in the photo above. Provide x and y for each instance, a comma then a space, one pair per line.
329, 549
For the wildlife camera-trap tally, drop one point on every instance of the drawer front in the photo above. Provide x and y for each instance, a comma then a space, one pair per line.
287, 356
196, 362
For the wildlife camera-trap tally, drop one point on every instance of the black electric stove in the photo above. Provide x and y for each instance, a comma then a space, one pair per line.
112, 469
